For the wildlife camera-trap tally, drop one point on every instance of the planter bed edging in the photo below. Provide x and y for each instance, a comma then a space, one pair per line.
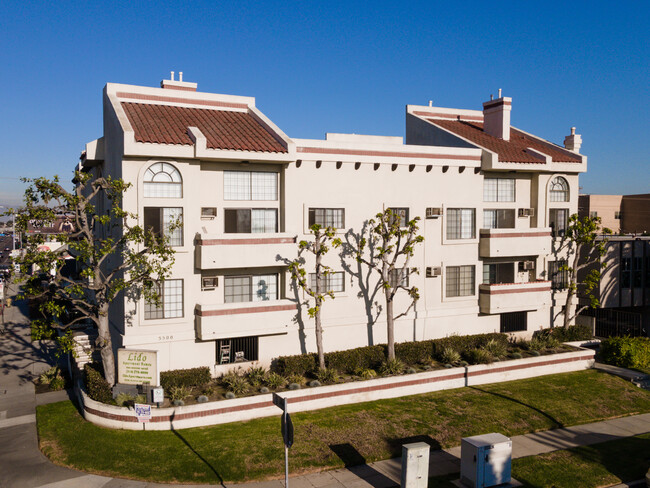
247, 408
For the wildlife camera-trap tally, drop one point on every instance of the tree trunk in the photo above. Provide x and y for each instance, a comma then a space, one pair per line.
319, 336
390, 325
573, 288
106, 345
319, 300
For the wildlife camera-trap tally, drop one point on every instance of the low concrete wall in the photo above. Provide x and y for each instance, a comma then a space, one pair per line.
247, 408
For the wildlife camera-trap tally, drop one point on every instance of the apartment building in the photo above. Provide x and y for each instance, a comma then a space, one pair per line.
625, 214
490, 198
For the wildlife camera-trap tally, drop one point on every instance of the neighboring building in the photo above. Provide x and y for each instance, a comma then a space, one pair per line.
489, 195
625, 214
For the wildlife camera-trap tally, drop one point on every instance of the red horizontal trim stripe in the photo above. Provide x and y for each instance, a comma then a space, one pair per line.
390, 154
232, 242
475, 118
157, 98
237, 311
515, 234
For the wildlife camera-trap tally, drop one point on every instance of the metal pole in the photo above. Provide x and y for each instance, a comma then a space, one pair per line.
286, 448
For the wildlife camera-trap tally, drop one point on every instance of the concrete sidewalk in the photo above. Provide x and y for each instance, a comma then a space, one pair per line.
23, 466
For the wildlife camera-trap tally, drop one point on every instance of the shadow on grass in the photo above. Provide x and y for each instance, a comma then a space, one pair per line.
205, 461
556, 423
356, 464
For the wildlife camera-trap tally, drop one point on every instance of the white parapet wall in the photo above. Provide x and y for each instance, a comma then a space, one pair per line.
247, 408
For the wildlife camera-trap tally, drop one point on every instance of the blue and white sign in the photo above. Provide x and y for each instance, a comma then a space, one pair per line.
143, 412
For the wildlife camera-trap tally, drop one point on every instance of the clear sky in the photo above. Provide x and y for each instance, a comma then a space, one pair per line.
317, 67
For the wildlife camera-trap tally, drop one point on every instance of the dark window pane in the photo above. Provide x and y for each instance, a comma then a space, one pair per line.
237, 220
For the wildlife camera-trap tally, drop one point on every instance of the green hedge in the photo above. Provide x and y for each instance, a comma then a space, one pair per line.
372, 357
568, 334
186, 378
97, 387
626, 352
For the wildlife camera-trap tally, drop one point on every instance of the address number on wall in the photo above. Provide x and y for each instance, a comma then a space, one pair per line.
166, 338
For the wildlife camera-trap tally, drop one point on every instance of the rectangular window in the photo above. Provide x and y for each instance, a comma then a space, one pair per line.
171, 301
461, 223
332, 282
513, 322
394, 277
498, 190
499, 219
247, 220
593, 214
558, 220
637, 272
250, 185
617, 215
460, 281
559, 277
626, 264
327, 217
165, 221
254, 288
647, 272
237, 350
400, 214
498, 273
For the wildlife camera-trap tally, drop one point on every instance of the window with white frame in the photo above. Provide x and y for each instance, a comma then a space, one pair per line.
394, 277
559, 190
251, 288
250, 220
162, 180
558, 221
165, 222
499, 218
460, 281
498, 190
250, 185
327, 217
461, 223
331, 282
170, 293
400, 214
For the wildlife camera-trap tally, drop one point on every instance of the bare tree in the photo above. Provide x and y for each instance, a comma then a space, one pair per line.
319, 289
394, 243
111, 256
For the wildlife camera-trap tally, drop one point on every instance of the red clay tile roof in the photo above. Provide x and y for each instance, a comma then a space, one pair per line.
223, 129
512, 151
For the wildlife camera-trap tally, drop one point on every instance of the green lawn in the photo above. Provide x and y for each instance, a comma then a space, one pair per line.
337, 436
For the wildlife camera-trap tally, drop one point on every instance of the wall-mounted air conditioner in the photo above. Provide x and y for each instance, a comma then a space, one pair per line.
209, 282
433, 212
208, 212
433, 271
526, 265
526, 212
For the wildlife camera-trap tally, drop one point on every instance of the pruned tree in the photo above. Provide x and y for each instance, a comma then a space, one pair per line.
111, 253
322, 238
393, 243
585, 243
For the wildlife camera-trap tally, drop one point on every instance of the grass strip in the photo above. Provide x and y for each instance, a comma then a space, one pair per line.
335, 437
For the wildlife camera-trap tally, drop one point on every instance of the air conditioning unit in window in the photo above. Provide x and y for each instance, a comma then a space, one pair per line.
433, 212
526, 212
208, 212
433, 271
526, 265
209, 282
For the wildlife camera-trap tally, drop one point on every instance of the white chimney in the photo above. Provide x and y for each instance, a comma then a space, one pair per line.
496, 117
178, 85
573, 142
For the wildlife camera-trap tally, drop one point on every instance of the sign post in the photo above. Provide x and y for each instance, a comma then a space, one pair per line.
287, 432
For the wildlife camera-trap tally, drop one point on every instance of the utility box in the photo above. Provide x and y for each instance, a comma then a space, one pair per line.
415, 465
485, 460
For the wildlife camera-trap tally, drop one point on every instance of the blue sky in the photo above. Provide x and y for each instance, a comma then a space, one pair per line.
319, 67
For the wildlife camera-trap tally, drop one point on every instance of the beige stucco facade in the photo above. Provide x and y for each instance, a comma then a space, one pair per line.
437, 175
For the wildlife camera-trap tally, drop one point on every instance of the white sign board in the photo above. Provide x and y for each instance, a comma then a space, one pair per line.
143, 412
158, 395
137, 367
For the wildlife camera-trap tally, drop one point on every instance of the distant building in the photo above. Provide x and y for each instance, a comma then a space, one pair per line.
626, 214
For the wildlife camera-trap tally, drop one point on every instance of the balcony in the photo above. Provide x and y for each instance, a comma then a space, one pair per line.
229, 320
514, 297
243, 250
495, 243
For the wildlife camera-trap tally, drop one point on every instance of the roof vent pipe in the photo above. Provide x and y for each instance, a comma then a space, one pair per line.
499, 92
172, 77
430, 103
180, 76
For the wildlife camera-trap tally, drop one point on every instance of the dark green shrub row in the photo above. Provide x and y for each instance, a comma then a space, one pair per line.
185, 378
626, 352
372, 357
97, 387
567, 334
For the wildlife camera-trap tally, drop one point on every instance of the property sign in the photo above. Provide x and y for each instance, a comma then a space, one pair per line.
137, 367
143, 412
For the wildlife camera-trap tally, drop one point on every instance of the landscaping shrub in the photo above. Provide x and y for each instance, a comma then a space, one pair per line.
362, 357
294, 386
255, 375
414, 353
626, 352
178, 393
327, 375
478, 356
496, 348
97, 387
296, 378
571, 333
53, 377
235, 383
449, 356
391, 367
302, 364
188, 378
275, 381
366, 374
464, 344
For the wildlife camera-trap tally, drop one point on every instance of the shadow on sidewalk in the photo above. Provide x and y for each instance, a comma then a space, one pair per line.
356, 464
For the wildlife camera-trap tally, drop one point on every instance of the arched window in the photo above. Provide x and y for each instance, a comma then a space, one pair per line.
162, 180
559, 190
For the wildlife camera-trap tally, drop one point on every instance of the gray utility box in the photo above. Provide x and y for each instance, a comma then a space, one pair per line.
415, 465
485, 460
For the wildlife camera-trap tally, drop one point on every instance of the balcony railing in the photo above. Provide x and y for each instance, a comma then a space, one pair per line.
496, 243
514, 297
244, 250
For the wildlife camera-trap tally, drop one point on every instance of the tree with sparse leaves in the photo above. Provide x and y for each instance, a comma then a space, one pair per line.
112, 256
585, 243
393, 244
323, 237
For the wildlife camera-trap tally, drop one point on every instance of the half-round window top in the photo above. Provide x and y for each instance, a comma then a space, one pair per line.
559, 190
162, 180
